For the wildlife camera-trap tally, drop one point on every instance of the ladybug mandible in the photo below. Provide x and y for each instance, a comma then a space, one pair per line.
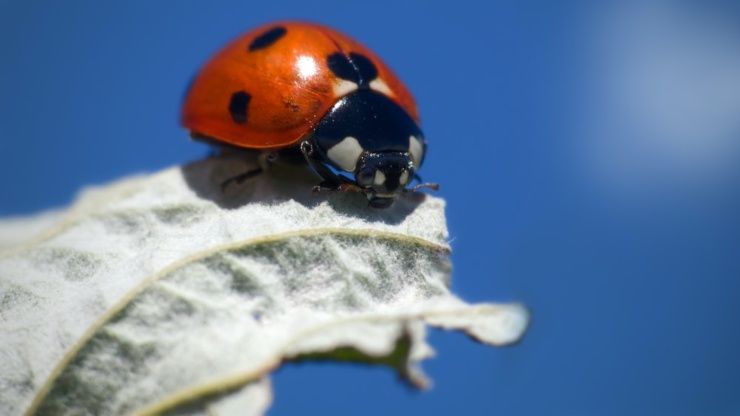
299, 87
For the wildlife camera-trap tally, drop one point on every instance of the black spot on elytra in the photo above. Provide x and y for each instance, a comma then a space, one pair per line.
342, 67
355, 67
268, 38
238, 106
365, 66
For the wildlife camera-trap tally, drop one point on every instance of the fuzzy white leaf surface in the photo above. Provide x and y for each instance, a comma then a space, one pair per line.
165, 293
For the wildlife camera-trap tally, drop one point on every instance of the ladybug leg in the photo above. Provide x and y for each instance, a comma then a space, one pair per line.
325, 186
342, 187
349, 187
240, 178
331, 181
263, 161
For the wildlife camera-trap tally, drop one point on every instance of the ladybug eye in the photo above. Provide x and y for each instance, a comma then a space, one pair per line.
365, 177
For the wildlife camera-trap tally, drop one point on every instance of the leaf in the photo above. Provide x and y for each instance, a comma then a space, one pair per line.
163, 294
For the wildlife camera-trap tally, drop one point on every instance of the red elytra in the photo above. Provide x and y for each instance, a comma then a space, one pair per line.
270, 87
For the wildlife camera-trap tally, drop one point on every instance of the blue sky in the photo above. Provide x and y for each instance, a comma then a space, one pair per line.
589, 157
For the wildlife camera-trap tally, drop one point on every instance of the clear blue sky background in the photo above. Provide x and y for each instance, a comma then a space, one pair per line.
589, 157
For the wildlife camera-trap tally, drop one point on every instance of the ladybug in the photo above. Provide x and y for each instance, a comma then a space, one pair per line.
308, 90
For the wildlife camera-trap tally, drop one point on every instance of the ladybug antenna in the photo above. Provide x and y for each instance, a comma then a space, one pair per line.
423, 185
426, 185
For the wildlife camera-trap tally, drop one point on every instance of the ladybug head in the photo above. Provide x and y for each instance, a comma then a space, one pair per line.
371, 136
383, 175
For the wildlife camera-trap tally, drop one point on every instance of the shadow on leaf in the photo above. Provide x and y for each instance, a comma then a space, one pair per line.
282, 182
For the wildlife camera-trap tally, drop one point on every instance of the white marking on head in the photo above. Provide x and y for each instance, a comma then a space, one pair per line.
416, 149
306, 66
379, 178
345, 153
404, 178
343, 87
379, 85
